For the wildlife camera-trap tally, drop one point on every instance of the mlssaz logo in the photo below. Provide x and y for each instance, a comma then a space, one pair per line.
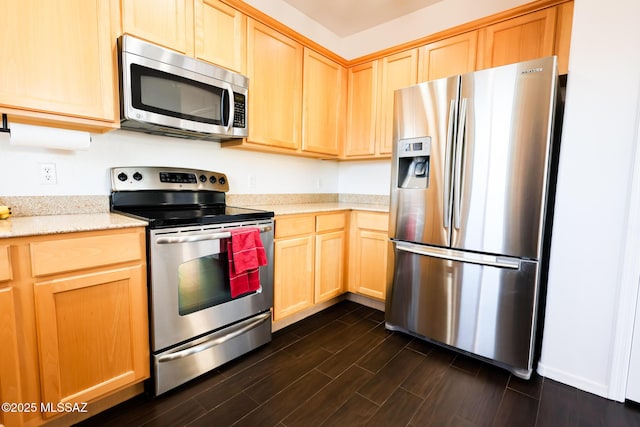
532, 70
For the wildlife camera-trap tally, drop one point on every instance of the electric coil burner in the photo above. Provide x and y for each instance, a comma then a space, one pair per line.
196, 325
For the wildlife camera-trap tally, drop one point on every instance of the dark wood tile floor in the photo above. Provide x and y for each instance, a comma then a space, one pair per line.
341, 368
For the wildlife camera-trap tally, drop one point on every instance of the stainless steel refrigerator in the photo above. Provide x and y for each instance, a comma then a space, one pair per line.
469, 198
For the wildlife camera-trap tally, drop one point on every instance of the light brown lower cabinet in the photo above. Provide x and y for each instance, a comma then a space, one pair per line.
318, 254
75, 310
368, 248
309, 261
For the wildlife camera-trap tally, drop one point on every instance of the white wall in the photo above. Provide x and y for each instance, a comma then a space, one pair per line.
365, 177
596, 166
87, 172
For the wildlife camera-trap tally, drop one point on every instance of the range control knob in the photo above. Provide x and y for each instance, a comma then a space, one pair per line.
122, 176
212, 179
137, 176
203, 178
221, 180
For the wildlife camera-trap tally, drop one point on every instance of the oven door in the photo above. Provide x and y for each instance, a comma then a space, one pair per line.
189, 282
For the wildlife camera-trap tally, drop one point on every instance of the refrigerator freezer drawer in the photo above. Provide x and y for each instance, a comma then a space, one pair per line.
481, 304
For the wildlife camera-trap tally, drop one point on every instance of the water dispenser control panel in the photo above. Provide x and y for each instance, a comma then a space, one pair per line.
412, 147
413, 162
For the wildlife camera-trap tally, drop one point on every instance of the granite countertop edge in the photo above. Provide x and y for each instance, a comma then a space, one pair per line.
22, 226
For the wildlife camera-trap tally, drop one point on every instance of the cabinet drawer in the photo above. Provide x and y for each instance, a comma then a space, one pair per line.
294, 226
328, 222
5, 264
373, 221
60, 255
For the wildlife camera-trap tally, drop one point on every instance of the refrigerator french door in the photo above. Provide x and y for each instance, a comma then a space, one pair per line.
469, 192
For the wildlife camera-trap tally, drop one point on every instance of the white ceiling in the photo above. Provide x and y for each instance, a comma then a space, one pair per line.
347, 17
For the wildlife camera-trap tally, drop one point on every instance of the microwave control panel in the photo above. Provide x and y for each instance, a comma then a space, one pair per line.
239, 110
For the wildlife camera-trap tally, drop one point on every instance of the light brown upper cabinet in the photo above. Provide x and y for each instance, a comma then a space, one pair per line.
274, 66
398, 71
205, 29
519, 39
220, 34
361, 114
370, 111
168, 23
324, 102
58, 66
563, 35
448, 57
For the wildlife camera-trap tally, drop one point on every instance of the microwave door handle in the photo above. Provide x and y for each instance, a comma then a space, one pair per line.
231, 111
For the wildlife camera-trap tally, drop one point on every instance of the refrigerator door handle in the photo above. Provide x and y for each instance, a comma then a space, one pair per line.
453, 255
447, 193
462, 135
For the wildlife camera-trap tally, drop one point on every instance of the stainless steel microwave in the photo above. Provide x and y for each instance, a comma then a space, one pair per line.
166, 93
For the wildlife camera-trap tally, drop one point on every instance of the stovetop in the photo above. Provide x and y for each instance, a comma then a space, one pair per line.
174, 217
170, 197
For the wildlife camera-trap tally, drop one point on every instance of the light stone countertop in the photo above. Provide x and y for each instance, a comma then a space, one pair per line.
19, 226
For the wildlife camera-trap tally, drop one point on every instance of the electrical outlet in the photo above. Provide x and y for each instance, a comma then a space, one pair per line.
319, 184
48, 174
252, 181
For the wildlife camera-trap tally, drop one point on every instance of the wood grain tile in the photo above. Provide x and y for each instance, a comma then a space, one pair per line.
384, 352
342, 368
285, 402
397, 410
342, 360
386, 380
355, 412
558, 405
516, 409
328, 400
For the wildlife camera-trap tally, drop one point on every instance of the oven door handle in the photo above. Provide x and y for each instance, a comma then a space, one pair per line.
238, 329
202, 237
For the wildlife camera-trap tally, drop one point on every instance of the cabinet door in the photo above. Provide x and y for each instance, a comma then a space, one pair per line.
563, 35
274, 65
106, 312
398, 71
292, 276
57, 57
448, 57
10, 390
323, 96
361, 113
220, 34
527, 37
369, 245
330, 263
164, 22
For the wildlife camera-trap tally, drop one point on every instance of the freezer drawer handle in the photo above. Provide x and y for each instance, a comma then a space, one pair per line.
457, 256
242, 327
202, 237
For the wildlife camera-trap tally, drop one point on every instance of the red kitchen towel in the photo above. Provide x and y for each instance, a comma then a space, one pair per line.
246, 254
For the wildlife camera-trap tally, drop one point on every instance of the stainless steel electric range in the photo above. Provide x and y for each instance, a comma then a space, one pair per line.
196, 324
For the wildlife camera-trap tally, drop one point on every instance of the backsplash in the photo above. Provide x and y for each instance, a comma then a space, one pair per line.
63, 205
55, 205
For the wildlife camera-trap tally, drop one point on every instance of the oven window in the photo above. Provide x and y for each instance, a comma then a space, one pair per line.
175, 96
202, 283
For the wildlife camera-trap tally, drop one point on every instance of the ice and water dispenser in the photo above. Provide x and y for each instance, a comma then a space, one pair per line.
413, 162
